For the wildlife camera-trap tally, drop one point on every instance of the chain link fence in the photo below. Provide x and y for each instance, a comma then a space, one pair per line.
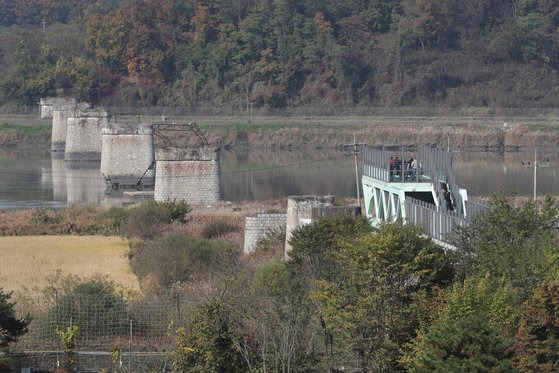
319, 111
142, 329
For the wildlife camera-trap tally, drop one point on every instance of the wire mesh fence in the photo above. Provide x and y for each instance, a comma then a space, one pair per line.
377, 111
142, 329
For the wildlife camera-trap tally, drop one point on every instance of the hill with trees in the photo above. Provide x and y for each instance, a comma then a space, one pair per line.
279, 53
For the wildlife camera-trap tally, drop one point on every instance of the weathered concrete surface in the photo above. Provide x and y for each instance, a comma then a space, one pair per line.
299, 212
326, 212
49, 104
257, 227
136, 195
192, 175
127, 153
60, 115
59, 129
84, 139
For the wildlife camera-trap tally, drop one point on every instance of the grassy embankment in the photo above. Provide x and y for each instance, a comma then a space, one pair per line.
12, 135
28, 262
328, 132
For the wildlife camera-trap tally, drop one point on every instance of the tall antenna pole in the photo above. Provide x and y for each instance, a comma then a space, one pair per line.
535, 172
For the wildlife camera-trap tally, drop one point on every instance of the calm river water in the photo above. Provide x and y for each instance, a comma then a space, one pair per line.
37, 179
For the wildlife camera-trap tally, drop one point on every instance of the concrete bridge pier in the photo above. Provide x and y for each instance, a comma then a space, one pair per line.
59, 128
191, 174
49, 104
84, 135
300, 212
60, 115
128, 155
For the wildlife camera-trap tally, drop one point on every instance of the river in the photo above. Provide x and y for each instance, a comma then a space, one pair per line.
33, 179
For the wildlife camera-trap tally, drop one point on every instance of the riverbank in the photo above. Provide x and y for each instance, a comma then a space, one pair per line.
473, 134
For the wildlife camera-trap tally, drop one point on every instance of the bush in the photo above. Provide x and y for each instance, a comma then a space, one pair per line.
218, 228
177, 258
176, 210
115, 218
273, 240
148, 219
95, 306
46, 216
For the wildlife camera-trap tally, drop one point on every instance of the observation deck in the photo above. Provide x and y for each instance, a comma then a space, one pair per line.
394, 186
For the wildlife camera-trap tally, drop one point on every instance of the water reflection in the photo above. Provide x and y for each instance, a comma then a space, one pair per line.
84, 182
263, 174
486, 173
58, 176
42, 179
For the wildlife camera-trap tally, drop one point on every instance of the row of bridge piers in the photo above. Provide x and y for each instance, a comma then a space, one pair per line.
128, 154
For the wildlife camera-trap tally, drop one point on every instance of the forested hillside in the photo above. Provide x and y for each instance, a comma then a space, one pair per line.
278, 53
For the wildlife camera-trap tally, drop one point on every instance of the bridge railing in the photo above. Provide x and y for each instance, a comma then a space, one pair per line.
475, 206
437, 224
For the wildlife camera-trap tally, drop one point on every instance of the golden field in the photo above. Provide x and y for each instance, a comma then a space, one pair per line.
28, 261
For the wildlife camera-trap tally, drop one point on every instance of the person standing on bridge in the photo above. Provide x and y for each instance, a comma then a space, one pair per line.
414, 168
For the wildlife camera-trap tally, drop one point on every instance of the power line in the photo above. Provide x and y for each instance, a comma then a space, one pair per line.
64, 175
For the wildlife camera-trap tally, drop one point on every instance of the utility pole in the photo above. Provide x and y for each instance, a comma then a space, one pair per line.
355, 152
251, 105
535, 172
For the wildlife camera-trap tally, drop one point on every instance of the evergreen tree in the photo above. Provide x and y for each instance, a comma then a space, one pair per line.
11, 327
469, 344
537, 342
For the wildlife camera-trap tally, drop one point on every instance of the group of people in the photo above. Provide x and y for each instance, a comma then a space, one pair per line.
410, 167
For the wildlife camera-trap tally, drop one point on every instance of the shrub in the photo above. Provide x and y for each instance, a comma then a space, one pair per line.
177, 258
176, 210
46, 216
94, 305
115, 218
273, 240
148, 219
218, 228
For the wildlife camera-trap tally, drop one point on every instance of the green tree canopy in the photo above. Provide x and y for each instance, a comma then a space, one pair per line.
373, 299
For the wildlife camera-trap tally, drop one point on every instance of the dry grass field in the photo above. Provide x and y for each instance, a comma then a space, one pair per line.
28, 261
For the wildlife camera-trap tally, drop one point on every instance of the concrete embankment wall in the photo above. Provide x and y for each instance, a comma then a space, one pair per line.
127, 153
191, 174
84, 136
257, 227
